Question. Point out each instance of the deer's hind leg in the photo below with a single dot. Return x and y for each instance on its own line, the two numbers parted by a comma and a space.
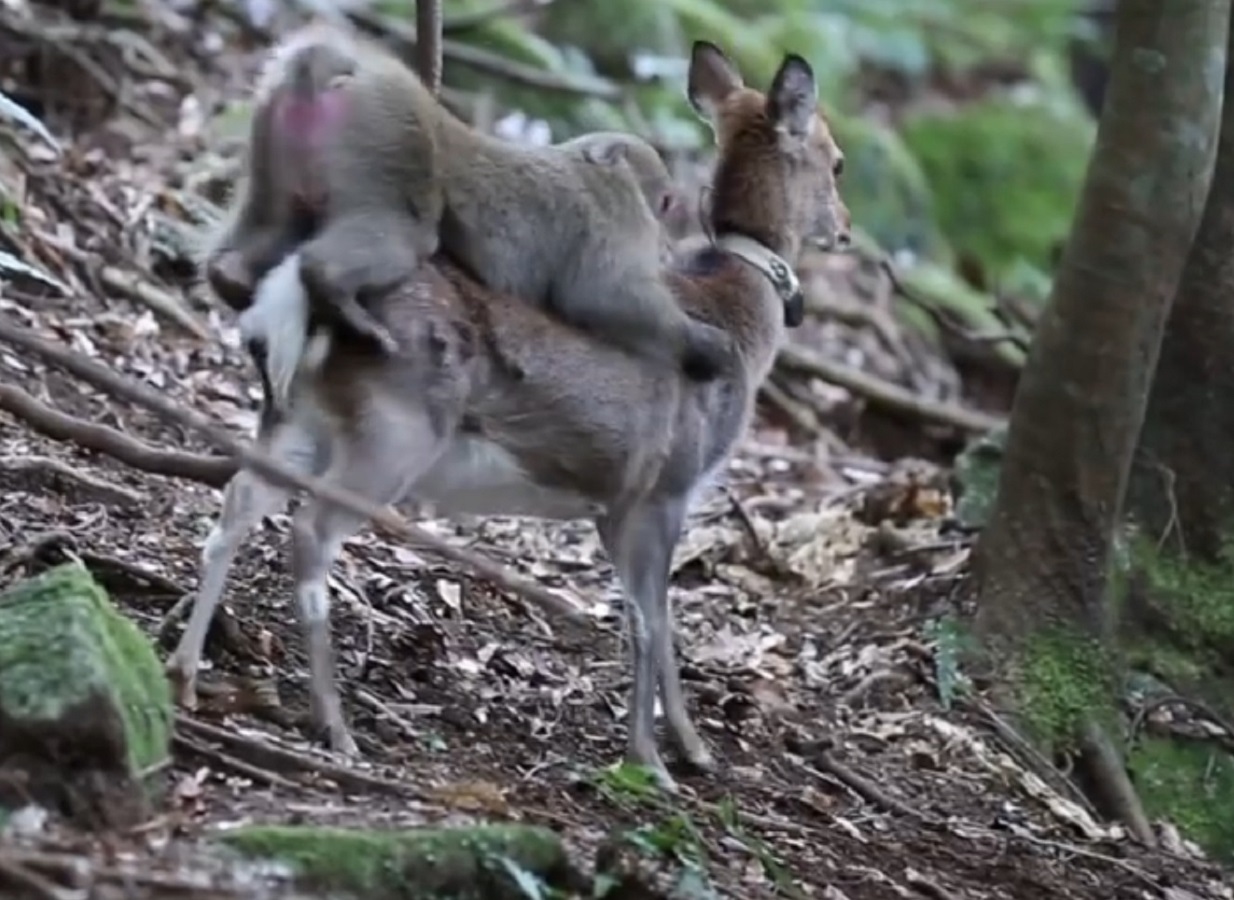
246, 500
379, 457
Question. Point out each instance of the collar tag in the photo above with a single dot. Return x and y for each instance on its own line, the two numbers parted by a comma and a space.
774, 268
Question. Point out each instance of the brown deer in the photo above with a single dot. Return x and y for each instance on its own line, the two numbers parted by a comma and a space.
574, 428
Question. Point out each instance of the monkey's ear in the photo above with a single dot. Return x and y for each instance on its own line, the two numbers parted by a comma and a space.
605, 151
712, 78
792, 102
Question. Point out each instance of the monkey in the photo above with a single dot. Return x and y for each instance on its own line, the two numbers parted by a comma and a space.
360, 224
374, 176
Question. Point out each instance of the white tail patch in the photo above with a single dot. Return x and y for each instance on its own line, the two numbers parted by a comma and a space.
278, 320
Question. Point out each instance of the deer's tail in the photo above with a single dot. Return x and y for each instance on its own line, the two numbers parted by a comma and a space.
276, 330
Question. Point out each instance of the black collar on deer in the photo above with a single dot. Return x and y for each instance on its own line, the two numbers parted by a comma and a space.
772, 266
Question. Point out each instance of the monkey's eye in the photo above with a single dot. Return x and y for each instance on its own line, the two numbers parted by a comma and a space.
666, 203
838, 167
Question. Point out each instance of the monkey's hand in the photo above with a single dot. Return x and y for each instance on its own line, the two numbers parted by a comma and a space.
708, 352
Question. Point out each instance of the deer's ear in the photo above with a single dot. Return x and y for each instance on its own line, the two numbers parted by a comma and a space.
792, 102
712, 78
604, 151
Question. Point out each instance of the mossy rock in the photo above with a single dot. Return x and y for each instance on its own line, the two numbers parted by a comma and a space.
85, 709
468, 863
1190, 784
885, 189
1006, 176
976, 478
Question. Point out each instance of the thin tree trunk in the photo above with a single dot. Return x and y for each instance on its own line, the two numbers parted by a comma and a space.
1182, 485
1042, 561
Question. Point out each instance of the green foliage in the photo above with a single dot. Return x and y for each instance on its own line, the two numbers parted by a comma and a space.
1198, 598
1191, 784
977, 471
1065, 679
1006, 177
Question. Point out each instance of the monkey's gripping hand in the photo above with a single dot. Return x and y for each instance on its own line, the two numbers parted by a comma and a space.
708, 352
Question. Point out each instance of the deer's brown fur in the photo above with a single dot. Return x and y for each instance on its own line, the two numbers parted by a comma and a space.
584, 430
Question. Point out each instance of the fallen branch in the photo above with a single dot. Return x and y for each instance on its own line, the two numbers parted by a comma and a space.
270, 755
859, 784
155, 298
215, 471
52, 470
231, 763
885, 395
386, 520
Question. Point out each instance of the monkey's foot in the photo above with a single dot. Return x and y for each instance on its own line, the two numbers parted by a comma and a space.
709, 353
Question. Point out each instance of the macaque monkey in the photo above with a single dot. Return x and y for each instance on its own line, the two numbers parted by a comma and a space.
351, 156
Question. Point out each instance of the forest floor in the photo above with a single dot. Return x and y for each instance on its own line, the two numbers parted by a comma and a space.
803, 601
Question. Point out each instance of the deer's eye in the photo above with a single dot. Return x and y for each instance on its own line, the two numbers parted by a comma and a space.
838, 167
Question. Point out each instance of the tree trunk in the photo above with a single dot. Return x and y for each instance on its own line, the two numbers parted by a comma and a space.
1182, 485
1042, 562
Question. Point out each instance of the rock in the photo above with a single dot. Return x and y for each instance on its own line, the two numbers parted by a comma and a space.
85, 710
441, 863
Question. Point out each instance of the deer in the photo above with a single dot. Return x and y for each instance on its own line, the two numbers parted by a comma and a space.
496, 407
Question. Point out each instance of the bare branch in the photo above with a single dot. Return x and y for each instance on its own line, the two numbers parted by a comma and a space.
385, 519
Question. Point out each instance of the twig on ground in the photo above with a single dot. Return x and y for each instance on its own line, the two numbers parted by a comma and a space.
802, 416
271, 754
384, 518
886, 395
156, 298
1194, 705
383, 711
859, 784
941, 319
927, 886
21, 877
234, 764
214, 471
55, 469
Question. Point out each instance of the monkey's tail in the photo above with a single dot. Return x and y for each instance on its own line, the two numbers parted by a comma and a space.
275, 327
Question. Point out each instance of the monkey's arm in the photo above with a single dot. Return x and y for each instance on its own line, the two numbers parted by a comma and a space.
641, 315
362, 252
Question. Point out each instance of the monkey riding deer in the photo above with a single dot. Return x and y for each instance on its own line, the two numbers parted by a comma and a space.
352, 157
586, 431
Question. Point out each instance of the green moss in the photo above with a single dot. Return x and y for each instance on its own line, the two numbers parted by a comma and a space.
1006, 176
977, 471
439, 863
1065, 679
1192, 785
64, 648
1197, 598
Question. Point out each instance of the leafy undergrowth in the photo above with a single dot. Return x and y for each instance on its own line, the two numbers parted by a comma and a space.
807, 603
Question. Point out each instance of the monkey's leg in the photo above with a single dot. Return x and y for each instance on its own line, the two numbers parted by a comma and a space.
244, 258
642, 316
365, 251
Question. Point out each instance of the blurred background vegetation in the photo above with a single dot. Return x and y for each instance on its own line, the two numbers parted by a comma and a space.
967, 123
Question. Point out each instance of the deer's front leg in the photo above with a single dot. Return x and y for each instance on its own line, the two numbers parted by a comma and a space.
640, 540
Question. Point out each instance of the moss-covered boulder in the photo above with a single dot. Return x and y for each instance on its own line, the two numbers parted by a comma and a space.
1006, 175
976, 478
468, 863
885, 188
85, 709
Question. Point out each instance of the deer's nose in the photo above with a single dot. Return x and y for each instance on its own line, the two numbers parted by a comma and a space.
844, 240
